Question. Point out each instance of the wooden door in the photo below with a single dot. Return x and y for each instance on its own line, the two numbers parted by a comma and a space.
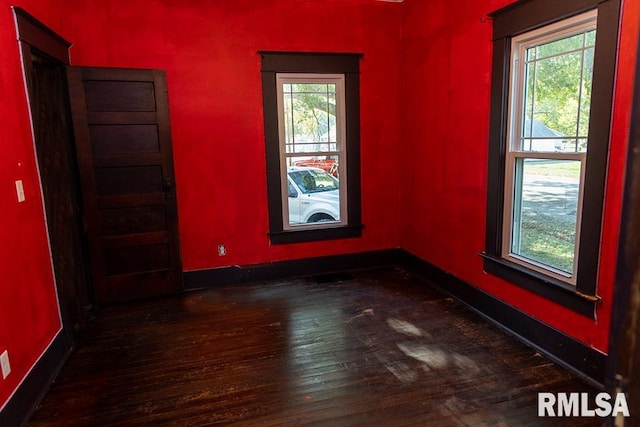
121, 126
60, 187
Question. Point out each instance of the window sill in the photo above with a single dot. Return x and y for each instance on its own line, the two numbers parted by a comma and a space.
540, 284
317, 234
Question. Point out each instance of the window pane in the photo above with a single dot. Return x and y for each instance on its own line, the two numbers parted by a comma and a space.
326, 163
585, 102
529, 95
311, 87
331, 117
314, 190
531, 54
557, 95
545, 209
590, 38
539, 137
288, 121
560, 46
309, 117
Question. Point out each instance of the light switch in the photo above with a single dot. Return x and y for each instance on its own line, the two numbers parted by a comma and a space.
4, 364
20, 191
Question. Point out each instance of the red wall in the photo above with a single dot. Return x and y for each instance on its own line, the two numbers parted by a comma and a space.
447, 67
209, 51
424, 100
29, 317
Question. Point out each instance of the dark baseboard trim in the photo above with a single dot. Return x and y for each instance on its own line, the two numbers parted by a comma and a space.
292, 268
584, 361
28, 395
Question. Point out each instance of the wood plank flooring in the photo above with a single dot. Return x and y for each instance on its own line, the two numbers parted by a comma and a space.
378, 348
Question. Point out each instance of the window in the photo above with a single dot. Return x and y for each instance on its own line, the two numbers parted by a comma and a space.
312, 142
311, 110
550, 101
551, 106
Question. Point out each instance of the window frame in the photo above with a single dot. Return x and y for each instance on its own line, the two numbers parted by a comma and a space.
340, 152
516, 19
515, 154
310, 64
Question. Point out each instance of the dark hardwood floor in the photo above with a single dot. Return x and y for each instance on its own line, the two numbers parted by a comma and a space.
377, 348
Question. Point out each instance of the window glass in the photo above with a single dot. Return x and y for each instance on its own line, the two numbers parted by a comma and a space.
311, 180
551, 98
309, 117
312, 147
557, 94
545, 212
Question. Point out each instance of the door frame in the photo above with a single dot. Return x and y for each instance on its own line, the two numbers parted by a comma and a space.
623, 364
37, 39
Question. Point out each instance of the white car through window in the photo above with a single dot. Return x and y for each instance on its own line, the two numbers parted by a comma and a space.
314, 196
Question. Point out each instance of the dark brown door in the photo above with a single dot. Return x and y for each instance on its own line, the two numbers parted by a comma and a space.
121, 126
60, 187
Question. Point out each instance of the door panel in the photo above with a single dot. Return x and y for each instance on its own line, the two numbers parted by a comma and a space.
121, 125
133, 220
132, 96
124, 180
122, 139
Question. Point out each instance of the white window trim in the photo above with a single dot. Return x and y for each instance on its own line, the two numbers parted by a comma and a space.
341, 138
519, 45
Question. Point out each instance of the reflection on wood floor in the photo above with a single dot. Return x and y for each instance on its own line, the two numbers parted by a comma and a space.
375, 348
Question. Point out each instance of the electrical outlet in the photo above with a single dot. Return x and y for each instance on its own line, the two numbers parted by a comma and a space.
4, 364
222, 250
